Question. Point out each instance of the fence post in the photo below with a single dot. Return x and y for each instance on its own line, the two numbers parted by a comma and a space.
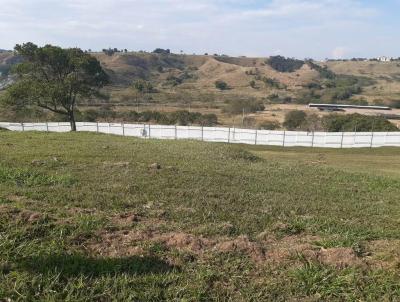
284, 136
255, 139
123, 129
22, 126
149, 131
97, 127
176, 133
234, 133
372, 138
312, 141
229, 134
341, 141
47, 126
202, 133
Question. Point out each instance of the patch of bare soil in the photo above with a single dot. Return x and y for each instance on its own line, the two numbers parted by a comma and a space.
118, 243
16, 214
242, 244
285, 249
340, 257
267, 249
128, 242
126, 219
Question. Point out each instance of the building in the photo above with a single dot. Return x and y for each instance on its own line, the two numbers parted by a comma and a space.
384, 59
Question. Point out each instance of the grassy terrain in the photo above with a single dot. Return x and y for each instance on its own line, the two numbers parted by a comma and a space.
88, 217
375, 162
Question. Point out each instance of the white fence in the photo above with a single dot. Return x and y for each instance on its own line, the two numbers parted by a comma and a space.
228, 135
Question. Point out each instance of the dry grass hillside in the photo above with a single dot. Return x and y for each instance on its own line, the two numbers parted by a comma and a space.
187, 82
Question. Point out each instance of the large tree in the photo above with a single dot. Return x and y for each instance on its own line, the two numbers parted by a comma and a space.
55, 79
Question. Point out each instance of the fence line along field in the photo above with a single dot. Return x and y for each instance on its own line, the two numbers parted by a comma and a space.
94, 217
229, 135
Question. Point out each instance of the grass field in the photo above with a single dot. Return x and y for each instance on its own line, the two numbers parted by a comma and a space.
90, 217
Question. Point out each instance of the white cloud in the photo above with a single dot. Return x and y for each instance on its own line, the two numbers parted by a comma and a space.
300, 28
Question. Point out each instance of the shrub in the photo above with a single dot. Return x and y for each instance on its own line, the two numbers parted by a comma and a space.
249, 106
221, 85
143, 86
269, 125
356, 122
253, 84
294, 119
162, 51
395, 104
272, 83
282, 64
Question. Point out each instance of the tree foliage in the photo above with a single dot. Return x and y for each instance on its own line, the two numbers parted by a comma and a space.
143, 86
294, 119
356, 122
282, 64
221, 85
55, 79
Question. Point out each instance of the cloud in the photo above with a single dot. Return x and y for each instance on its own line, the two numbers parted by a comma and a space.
301, 28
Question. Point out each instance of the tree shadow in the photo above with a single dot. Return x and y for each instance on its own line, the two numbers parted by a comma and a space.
75, 265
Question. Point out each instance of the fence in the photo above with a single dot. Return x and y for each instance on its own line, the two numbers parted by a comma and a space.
228, 135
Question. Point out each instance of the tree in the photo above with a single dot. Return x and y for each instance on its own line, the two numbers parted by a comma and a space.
55, 79
294, 119
283, 64
221, 85
143, 86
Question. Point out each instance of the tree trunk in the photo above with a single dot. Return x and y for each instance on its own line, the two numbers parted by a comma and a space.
72, 120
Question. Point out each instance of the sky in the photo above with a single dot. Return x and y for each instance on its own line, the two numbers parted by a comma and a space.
294, 28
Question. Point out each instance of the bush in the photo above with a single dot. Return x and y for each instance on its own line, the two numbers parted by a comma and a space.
356, 122
249, 106
269, 125
143, 86
162, 51
282, 64
294, 119
395, 104
272, 83
221, 85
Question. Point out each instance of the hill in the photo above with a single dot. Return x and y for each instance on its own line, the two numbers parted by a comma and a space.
97, 217
189, 82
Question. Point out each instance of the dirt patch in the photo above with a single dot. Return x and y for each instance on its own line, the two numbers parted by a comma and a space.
126, 219
155, 166
16, 214
340, 257
242, 244
118, 243
129, 242
287, 248
187, 242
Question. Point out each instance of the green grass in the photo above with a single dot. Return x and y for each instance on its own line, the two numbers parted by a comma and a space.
63, 199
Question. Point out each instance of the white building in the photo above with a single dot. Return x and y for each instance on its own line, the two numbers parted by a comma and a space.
384, 59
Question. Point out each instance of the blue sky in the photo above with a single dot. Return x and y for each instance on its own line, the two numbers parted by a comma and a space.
296, 28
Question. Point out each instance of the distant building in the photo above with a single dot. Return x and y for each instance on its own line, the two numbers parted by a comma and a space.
384, 59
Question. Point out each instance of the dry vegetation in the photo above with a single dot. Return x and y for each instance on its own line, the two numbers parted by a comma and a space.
188, 82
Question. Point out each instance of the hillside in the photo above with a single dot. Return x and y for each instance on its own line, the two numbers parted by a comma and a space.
188, 82
88, 217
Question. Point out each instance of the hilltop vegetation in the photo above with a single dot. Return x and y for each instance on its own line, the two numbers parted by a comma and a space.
88, 217
216, 84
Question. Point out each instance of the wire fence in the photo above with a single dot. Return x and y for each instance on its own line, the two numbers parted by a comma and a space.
227, 135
